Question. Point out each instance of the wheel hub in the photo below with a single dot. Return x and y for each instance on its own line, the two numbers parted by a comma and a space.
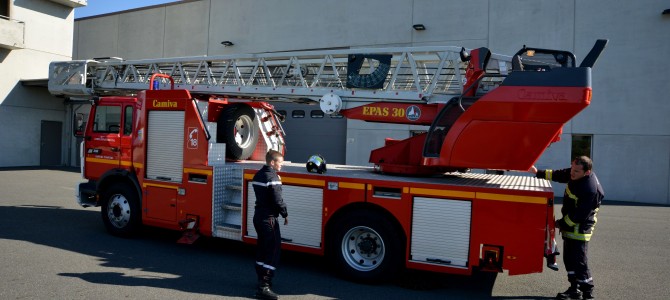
118, 211
363, 248
243, 131
368, 245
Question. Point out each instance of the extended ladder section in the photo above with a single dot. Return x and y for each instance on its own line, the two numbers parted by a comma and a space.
406, 74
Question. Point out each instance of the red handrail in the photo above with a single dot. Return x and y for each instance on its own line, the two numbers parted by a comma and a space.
151, 81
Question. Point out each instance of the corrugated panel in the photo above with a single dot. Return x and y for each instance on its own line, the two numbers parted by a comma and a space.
304, 210
526, 183
165, 145
441, 230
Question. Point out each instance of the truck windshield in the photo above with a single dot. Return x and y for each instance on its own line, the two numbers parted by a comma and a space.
107, 119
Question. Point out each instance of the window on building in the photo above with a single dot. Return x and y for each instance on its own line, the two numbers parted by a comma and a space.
336, 116
416, 132
581, 145
4, 9
107, 119
282, 112
298, 114
316, 114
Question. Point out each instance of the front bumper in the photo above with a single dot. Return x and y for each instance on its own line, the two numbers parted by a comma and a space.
86, 194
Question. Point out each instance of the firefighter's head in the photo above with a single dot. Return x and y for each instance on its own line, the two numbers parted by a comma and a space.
581, 166
274, 159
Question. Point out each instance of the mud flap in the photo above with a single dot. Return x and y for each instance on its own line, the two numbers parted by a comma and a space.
190, 228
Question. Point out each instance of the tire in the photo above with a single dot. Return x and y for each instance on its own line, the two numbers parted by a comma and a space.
237, 128
365, 248
120, 211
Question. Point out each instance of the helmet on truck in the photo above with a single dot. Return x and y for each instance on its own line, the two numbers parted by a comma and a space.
316, 163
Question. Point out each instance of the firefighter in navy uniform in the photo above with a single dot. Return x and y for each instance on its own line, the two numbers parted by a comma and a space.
581, 202
269, 206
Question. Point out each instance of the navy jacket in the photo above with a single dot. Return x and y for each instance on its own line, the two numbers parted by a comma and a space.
581, 202
267, 187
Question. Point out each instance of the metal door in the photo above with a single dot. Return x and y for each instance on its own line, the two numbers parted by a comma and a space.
50, 143
309, 131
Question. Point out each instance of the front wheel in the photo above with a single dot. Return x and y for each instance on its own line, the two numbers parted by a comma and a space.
364, 248
121, 210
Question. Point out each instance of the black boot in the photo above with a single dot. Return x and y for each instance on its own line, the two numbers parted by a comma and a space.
259, 272
571, 293
264, 292
265, 284
587, 290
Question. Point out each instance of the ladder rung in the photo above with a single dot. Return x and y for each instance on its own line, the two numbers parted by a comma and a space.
234, 187
229, 227
232, 206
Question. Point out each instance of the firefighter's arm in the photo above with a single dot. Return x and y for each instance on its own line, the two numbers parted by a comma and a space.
279, 200
562, 176
563, 225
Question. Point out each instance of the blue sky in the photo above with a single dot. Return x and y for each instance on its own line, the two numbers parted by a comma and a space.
98, 7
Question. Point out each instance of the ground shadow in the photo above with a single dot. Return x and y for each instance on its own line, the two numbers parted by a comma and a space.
211, 266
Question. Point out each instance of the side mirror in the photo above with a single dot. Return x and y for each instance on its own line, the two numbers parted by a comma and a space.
79, 125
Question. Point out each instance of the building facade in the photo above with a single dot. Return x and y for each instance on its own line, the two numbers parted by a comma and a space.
32, 34
625, 129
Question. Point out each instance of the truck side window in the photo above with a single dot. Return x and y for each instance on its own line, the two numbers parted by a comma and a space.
128, 121
107, 119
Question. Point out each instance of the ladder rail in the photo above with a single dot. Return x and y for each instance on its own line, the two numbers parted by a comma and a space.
415, 74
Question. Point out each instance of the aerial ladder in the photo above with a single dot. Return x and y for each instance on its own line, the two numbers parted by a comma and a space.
485, 110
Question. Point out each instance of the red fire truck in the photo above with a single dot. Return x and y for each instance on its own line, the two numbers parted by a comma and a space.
174, 143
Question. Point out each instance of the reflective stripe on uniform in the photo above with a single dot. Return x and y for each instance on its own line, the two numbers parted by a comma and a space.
266, 184
576, 235
586, 280
571, 195
548, 174
265, 265
569, 222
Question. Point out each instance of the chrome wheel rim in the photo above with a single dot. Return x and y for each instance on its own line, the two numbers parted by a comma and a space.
363, 248
118, 211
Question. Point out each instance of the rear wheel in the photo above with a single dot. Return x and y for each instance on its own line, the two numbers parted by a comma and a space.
364, 248
237, 128
121, 210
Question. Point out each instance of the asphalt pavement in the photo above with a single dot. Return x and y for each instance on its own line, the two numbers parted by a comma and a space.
53, 249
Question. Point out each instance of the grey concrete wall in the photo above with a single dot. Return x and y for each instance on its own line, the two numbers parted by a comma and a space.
260, 26
48, 26
543, 24
186, 29
635, 167
141, 34
98, 37
627, 117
